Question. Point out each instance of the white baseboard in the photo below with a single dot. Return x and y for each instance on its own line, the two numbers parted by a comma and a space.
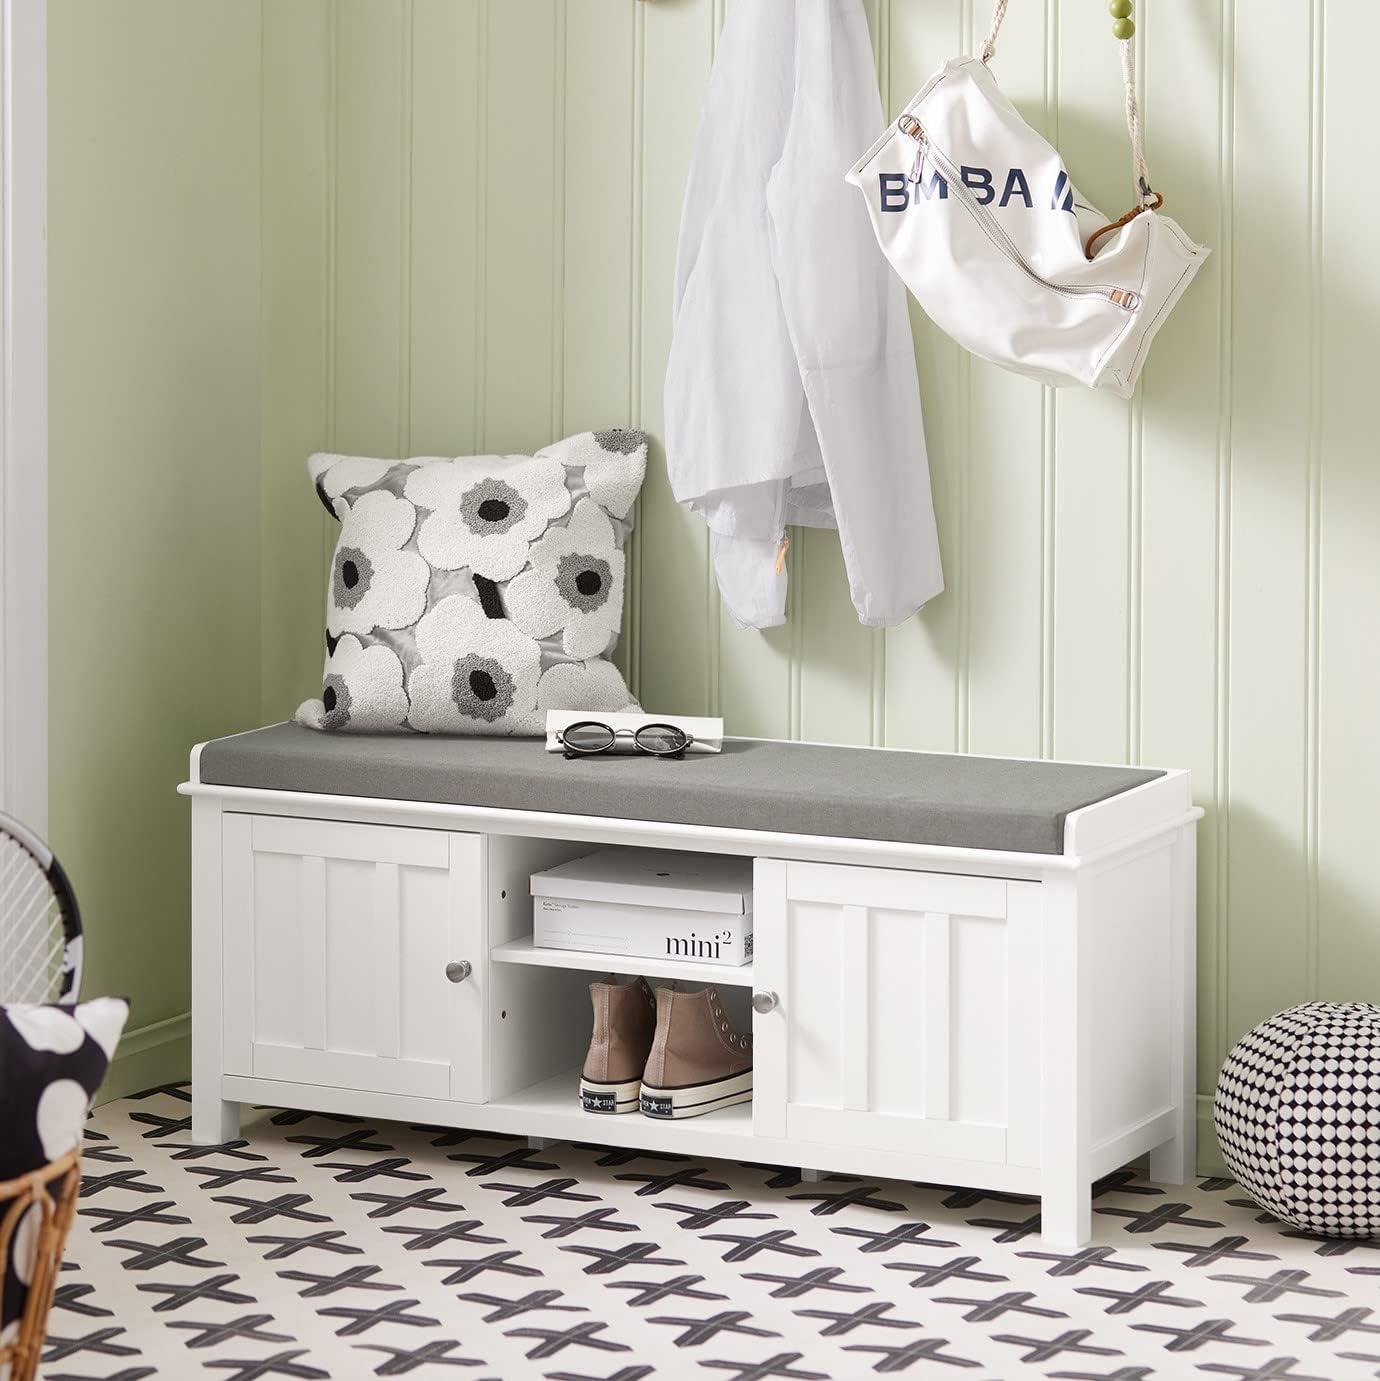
1210, 1160
159, 1053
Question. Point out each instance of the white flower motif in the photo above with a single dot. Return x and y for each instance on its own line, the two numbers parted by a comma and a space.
485, 510
476, 675
615, 464
361, 690
374, 582
593, 685
333, 475
47, 1028
103, 1018
574, 586
61, 1111
25, 1250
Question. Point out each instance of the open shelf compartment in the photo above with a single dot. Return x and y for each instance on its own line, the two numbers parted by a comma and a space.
551, 1107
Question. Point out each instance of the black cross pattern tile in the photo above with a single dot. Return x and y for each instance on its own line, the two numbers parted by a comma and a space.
327, 1248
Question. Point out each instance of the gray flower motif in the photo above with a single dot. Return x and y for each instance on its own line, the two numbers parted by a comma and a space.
361, 689
335, 699
482, 688
620, 441
491, 507
352, 573
584, 581
573, 585
475, 675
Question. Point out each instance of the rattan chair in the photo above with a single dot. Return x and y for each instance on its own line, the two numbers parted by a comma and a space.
52, 1191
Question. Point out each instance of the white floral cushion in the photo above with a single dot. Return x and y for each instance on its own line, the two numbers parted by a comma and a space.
471, 595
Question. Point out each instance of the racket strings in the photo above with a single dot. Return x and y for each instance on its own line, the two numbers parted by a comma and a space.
31, 930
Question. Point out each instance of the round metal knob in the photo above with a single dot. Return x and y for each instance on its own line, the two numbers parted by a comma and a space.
764, 1002
458, 970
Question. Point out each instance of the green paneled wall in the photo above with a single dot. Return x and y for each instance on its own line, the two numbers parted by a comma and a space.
153, 464
469, 215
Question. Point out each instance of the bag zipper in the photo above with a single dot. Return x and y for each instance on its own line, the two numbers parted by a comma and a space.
909, 125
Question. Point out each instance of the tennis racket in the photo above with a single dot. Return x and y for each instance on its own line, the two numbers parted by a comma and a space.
40, 925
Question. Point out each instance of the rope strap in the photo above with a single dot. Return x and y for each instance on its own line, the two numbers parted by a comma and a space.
989, 44
1146, 197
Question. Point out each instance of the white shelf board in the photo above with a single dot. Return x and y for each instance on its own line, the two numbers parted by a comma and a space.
552, 1108
523, 951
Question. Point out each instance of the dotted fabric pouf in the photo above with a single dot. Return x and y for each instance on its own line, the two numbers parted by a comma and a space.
1298, 1117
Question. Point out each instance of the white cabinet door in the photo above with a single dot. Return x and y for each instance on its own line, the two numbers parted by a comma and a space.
905, 1011
337, 939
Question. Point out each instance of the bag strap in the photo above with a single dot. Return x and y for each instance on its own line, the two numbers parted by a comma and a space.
1146, 197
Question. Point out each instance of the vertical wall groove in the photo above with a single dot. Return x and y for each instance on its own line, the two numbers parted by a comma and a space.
1134, 591
407, 29
1312, 694
877, 672
261, 112
1135, 540
1048, 432
1048, 422
1222, 785
632, 618
963, 476
713, 673
558, 238
330, 230
795, 577
481, 231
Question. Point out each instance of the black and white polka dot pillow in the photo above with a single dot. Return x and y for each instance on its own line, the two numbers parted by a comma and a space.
52, 1061
1297, 1115
471, 595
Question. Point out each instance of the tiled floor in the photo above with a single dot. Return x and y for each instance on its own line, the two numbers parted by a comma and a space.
325, 1247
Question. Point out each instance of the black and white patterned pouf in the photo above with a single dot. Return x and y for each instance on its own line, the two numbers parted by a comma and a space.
1298, 1117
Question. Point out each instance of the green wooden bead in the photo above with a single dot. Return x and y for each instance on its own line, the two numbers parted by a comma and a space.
1124, 28
1119, 9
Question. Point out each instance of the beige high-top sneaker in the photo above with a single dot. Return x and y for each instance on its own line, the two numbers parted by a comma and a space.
624, 1023
699, 1062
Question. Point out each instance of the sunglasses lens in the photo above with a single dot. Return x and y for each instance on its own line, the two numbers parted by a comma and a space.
588, 738
661, 738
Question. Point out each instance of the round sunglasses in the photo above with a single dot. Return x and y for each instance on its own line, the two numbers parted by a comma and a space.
590, 737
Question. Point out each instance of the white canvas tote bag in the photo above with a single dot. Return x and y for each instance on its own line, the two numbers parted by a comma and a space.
978, 215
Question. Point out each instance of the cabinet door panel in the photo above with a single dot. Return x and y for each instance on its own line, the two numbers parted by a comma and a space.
337, 938
900, 995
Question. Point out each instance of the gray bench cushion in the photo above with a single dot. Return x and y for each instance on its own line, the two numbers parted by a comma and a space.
794, 788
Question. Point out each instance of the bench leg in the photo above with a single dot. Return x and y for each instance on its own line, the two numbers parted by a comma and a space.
808, 1176
1065, 1073
1066, 1214
540, 1143
214, 1121
1174, 1162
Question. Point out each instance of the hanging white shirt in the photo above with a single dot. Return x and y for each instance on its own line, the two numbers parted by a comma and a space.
791, 388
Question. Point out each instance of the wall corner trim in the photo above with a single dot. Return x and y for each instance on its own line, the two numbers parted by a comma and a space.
24, 411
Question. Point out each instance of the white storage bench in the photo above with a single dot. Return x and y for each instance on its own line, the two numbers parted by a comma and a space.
967, 971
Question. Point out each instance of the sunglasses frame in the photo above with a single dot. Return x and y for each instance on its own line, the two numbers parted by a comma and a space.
616, 734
